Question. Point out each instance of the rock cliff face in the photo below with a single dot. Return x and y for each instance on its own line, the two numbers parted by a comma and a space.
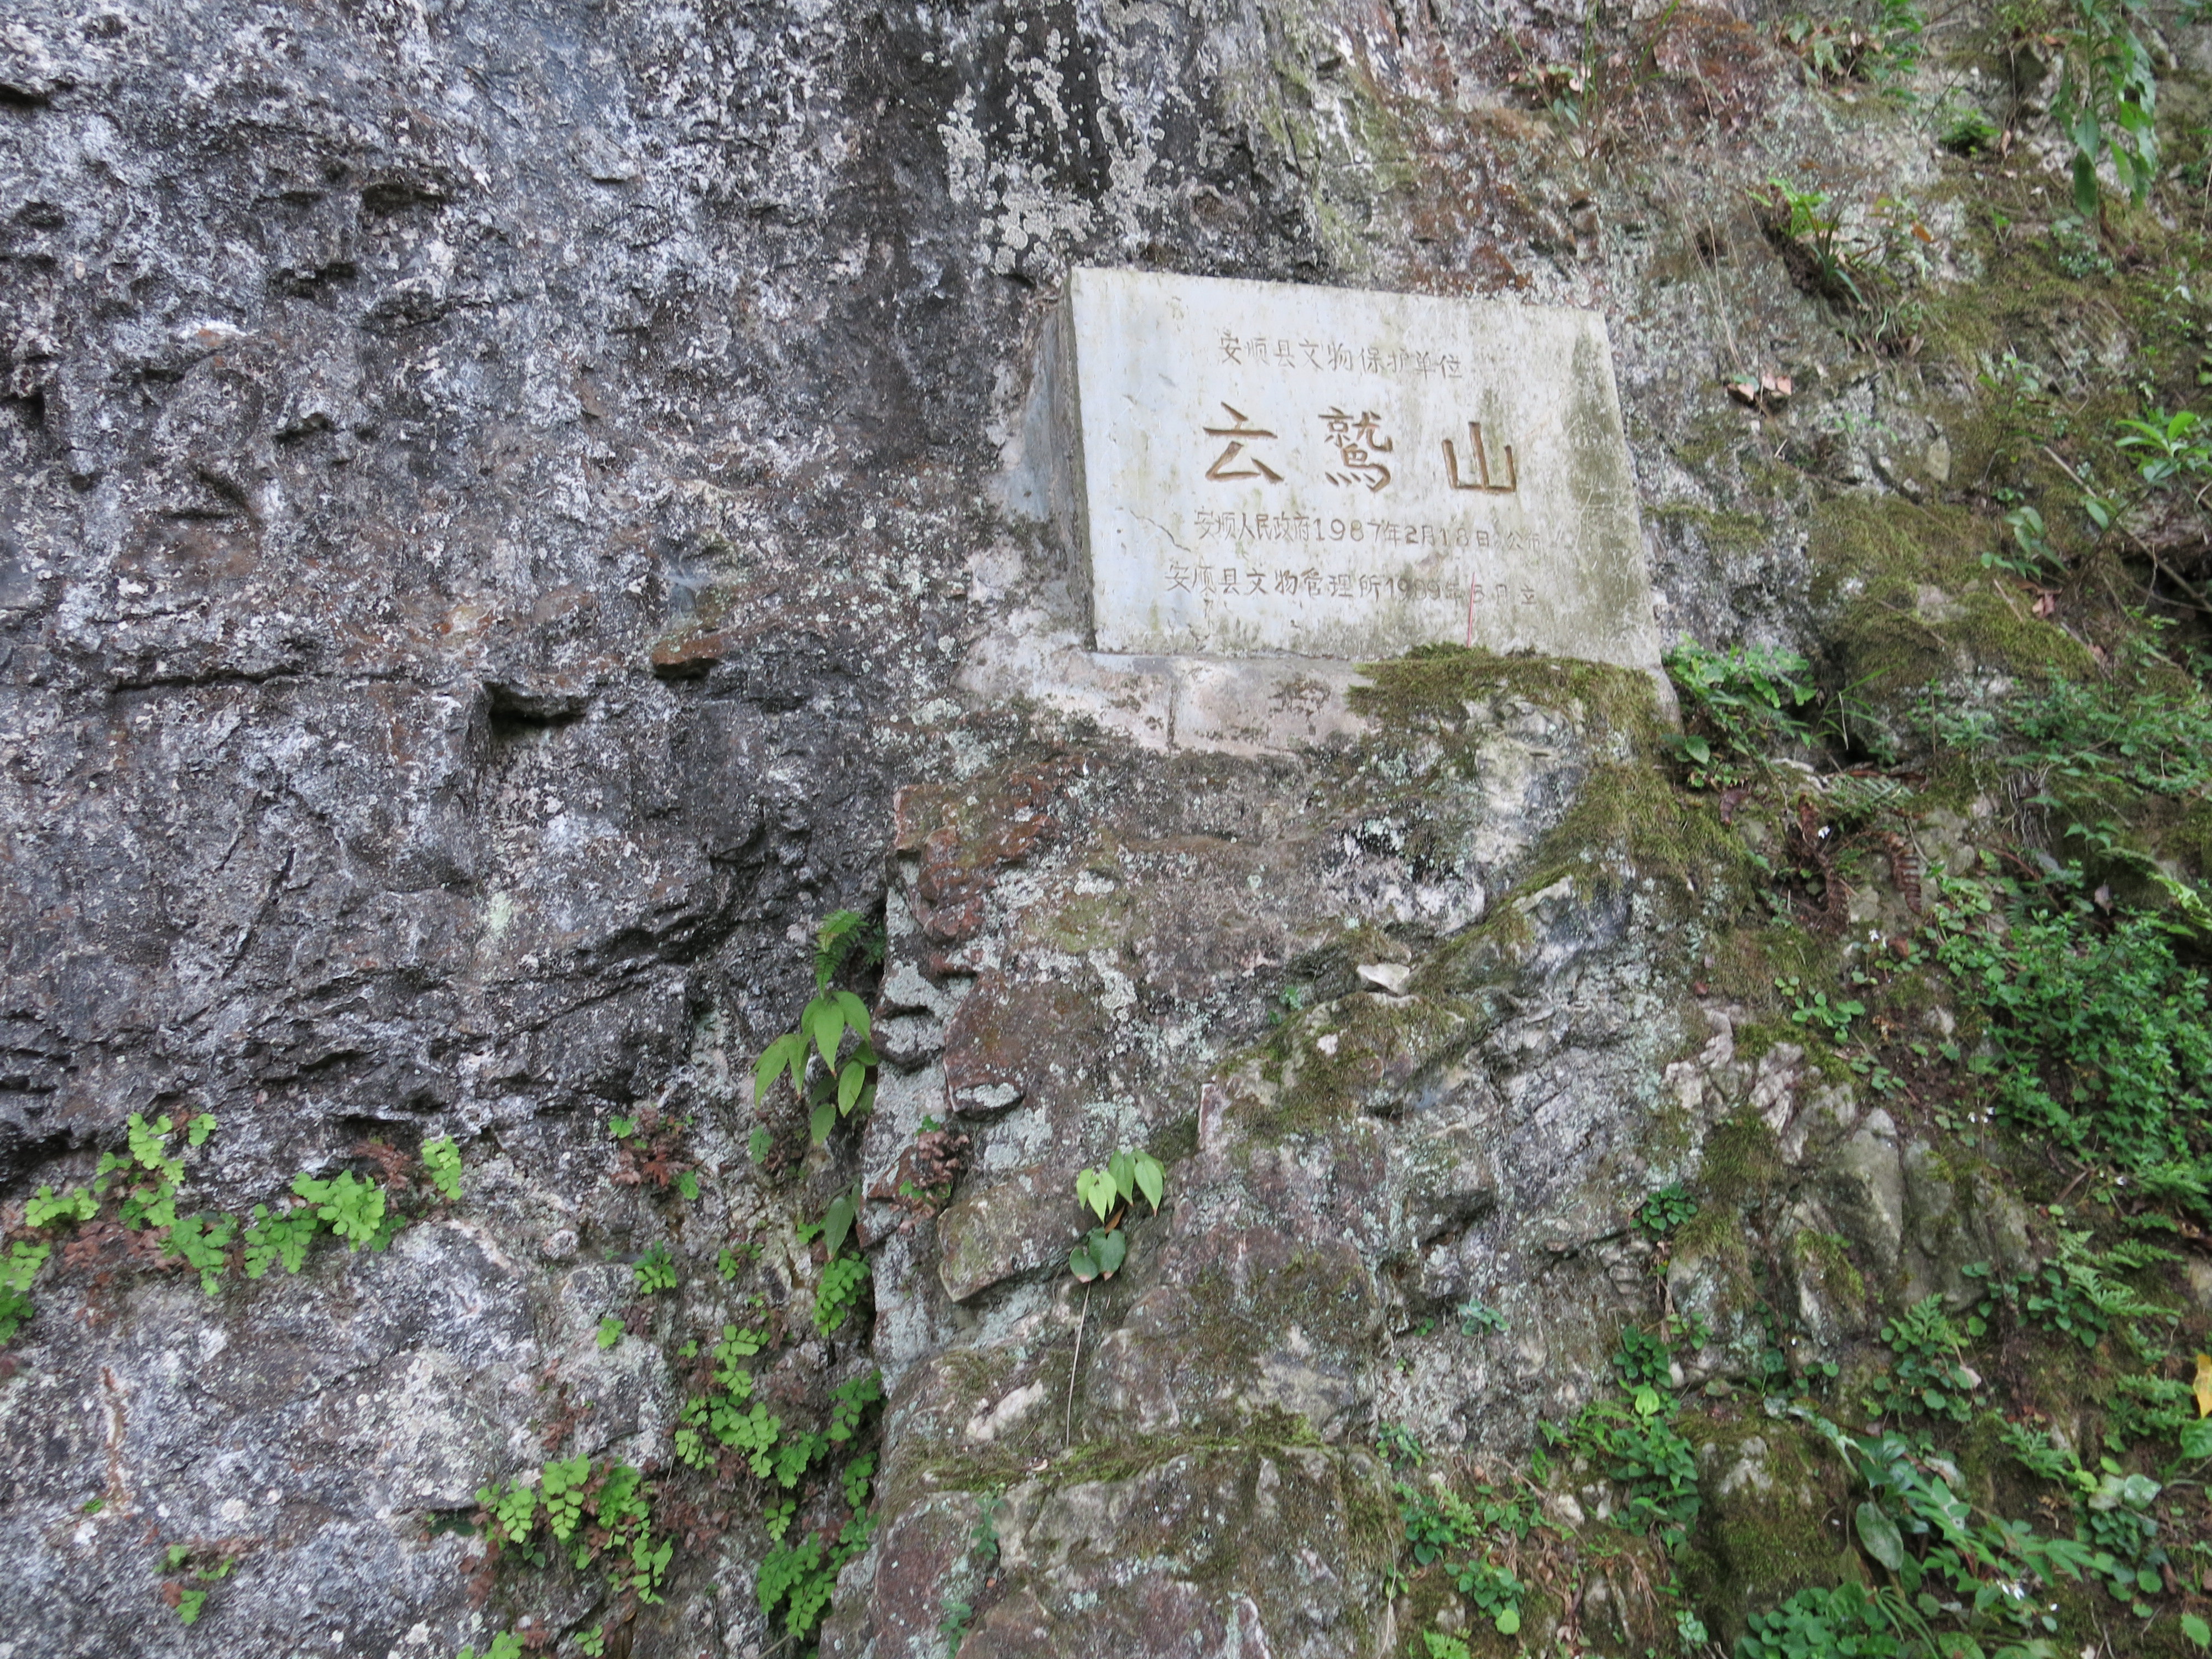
510, 515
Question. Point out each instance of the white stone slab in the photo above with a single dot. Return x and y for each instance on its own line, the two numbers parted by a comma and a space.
1266, 468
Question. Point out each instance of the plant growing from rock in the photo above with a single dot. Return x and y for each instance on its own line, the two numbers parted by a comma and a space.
842, 1085
597, 1515
1929, 1374
1496, 1593
1477, 1317
2099, 1036
1665, 1211
842, 1275
1108, 1192
2107, 103
1640, 1449
1742, 705
184, 1564
654, 1271
442, 1162
1942, 1554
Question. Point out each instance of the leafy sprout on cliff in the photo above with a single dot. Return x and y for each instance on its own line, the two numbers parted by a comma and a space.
842, 1087
1742, 705
1108, 1192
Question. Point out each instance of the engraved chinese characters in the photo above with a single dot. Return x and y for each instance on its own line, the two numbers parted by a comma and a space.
1267, 468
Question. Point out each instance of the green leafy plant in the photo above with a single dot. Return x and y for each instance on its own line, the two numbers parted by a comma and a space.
841, 1276
1475, 1317
1665, 1210
1642, 1361
1496, 1593
595, 1514
1119, 1180
1440, 1646
1108, 1192
1929, 1374
2096, 1036
2076, 1294
2106, 101
183, 1562
442, 1162
1942, 1554
1966, 130
2140, 1409
279, 1237
839, 1291
149, 1175
1834, 1018
2035, 559
1743, 705
610, 1331
505, 1645
1643, 1451
842, 1087
17, 1269
1436, 1520
1100, 1255
1837, 49
352, 1208
798, 1578
655, 1271
1398, 1445
43, 1209
1808, 221
202, 1244
1823, 1623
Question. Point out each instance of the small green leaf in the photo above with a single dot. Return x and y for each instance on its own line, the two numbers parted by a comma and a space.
1108, 1250
824, 1120
850, 1082
1151, 1180
1123, 1170
837, 1225
1094, 1188
825, 1022
786, 1051
1879, 1533
855, 1013
1080, 1264
2197, 1630
1508, 1621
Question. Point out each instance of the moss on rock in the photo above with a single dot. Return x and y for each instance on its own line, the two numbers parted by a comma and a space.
1774, 1502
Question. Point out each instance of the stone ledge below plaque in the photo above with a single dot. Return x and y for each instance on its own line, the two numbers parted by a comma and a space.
1234, 706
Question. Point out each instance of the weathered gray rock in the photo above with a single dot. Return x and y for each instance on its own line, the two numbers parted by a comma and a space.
494, 498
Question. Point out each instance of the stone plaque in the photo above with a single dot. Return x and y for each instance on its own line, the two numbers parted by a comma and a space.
1266, 468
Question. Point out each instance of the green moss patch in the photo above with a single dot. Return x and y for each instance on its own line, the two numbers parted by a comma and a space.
1431, 687
1913, 604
